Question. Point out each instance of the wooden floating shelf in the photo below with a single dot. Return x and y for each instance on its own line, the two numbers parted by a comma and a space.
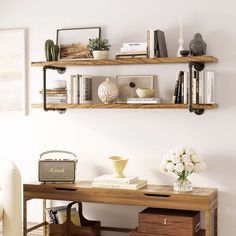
126, 106
160, 60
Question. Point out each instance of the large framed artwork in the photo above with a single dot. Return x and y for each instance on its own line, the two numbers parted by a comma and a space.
12, 71
73, 42
127, 85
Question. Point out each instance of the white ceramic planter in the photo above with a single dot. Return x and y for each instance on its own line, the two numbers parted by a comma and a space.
98, 55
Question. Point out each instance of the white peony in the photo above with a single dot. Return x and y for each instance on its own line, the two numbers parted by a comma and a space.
170, 167
180, 151
179, 167
186, 159
189, 167
163, 165
190, 151
175, 159
195, 158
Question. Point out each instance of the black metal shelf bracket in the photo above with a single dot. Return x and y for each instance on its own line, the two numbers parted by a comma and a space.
198, 67
60, 70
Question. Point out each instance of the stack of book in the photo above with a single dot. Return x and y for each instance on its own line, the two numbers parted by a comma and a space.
133, 50
58, 96
79, 89
109, 181
203, 87
143, 100
156, 44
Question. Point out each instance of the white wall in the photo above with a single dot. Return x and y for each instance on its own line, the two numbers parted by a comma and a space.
143, 136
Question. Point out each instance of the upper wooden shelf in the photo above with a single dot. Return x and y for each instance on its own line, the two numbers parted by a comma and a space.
160, 60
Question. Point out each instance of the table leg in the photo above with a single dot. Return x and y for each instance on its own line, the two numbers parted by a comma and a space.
208, 222
25, 217
44, 217
216, 222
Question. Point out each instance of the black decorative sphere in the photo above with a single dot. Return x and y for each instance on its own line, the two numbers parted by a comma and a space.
197, 45
184, 53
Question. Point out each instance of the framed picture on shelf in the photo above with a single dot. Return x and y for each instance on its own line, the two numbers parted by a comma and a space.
127, 85
12, 71
73, 42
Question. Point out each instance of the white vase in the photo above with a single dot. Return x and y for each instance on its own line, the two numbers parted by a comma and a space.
99, 55
108, 91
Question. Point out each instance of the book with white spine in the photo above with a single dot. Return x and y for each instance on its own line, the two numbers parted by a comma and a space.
210, 87
113, 179
134, 186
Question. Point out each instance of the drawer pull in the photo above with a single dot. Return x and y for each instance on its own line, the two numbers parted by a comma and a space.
66, 189
156, 195
165, 221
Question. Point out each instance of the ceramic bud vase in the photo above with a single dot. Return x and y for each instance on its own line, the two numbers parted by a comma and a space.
118, 165
182, 185
108, 91
99, 55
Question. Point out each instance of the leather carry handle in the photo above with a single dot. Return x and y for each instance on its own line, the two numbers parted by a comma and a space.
68, 215
57, 151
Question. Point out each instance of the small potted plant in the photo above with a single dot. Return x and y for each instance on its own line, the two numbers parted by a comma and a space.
99, 47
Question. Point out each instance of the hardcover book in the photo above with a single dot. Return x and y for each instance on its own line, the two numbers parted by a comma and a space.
112, 179
134, 186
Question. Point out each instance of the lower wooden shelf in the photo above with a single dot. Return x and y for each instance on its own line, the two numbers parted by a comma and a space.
126, 106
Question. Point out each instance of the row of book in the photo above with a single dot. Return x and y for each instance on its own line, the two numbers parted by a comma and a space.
79, 89
203, 87
155, 46
109, 181
58, 215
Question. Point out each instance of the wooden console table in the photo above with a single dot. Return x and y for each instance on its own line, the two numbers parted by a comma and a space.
200, 199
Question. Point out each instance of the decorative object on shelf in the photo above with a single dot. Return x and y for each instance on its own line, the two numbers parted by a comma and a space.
49, 44
182, 163
99, 48
180, 40
145, 92
55, 52
127, 85
108, 91
197, 45
184, 53
118, 165
73, 42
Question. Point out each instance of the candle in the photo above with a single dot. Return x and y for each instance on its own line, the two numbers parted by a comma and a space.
180, 28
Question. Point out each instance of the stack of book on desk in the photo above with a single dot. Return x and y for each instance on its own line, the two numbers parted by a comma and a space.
109, 181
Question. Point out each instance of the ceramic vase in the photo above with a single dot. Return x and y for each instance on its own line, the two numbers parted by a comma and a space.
108, 91
118, 165
99, 55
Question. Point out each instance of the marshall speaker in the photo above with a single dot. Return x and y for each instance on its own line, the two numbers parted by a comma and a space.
57, 166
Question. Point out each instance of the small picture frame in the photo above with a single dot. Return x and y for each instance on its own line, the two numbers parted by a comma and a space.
73, 42
127, 85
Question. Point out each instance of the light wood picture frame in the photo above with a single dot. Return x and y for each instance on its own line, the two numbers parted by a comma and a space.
13, 71
127, 85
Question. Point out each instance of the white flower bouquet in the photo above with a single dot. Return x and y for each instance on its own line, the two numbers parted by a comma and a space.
182, 163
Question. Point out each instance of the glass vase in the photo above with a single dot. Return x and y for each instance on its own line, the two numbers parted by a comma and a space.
182, 185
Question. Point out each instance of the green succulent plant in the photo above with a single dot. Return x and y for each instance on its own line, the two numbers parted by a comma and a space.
98, 44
